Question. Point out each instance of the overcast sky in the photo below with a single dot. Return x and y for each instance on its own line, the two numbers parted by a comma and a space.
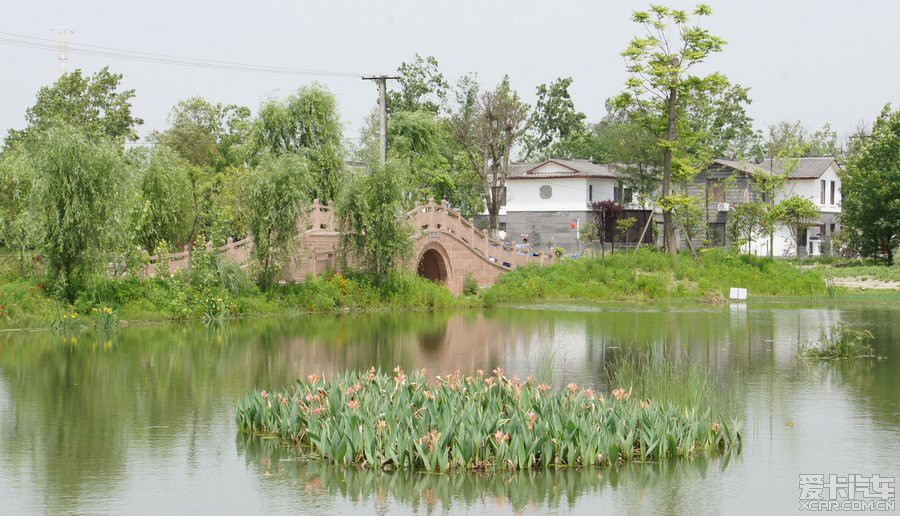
813, 60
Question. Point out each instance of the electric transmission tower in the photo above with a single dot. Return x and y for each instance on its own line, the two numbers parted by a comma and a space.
62, 47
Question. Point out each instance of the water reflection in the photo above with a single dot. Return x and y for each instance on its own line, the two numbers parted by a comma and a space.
528, 491
147, 416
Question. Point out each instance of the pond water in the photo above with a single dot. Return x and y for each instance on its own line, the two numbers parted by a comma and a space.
144, 423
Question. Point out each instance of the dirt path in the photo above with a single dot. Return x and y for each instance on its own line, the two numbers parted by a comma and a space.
866, 284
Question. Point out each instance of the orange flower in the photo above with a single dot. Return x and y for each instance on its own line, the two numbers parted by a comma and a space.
572, 387
645, 404
353, 404
715, 427
313, 378
532, 419
620, 394
543, 387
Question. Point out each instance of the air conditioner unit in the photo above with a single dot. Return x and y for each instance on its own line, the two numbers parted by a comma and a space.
723, 206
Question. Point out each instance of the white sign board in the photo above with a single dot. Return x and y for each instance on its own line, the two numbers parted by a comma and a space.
737, 293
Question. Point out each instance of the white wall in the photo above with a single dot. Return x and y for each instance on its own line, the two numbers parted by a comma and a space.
567, 194
811, 189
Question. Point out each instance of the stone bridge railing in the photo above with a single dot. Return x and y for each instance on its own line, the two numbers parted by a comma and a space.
318, 248
434, 217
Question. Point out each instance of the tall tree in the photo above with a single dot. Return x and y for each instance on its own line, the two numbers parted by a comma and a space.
554, 120
94, 105
487, 127
870, 189
208, 134
745, 222
163, 206
662, 87
76, 183
17, 213
422, 87
277, 198
306, 123
375, 235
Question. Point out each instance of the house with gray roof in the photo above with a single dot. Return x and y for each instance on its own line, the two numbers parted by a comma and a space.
544, 200
725, 184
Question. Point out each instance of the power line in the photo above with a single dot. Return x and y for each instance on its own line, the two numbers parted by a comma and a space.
46, 44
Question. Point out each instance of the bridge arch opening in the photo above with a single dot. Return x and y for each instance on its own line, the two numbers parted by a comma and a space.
433, 266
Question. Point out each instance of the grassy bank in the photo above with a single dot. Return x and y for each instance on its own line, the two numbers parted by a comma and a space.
474, 423
25, 303
649, 275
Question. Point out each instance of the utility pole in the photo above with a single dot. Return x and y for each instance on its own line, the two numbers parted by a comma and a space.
381, 80
62, 47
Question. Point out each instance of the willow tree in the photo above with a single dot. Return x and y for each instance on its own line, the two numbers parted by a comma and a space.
162, 211
17, 223
77, 181
487, 126
276, 200
306, 123
662, 88
375, 235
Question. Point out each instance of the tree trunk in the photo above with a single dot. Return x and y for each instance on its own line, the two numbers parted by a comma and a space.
797, 241
668, 228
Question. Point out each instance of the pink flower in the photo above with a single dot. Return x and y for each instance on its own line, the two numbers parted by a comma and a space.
353, 404
572, 387
264, 394
313, 378
499, 436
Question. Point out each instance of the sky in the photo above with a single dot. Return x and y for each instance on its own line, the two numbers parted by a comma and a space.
816, 61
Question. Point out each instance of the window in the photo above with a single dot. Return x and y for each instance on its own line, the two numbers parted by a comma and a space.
715, 190
590, 193
546, 192
822, 193
832, 229
622, 194
832, 193
764, 197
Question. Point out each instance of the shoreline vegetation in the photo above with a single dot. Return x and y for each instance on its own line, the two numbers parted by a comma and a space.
374, 419
217, 290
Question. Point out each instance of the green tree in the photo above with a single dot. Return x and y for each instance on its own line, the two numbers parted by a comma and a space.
487, 126
746, 221
209, 134
77, 182
17, 224
306, 123
661, 89
163, 206
796, 214
606, 213
793, 139
554, 120
372, 211
277, 196
422, 87
94, 105
687, 214
870, 188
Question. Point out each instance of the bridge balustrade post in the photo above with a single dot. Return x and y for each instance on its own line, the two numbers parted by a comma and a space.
314, 214
432, 212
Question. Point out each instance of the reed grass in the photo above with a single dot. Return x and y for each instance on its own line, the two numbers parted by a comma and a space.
397, 421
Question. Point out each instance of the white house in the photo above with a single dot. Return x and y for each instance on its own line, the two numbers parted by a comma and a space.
815, 179
545, 200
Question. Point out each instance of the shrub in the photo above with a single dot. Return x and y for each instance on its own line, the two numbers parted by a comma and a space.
841, 341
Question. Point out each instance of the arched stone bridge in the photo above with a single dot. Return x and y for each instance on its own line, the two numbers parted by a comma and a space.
447, 248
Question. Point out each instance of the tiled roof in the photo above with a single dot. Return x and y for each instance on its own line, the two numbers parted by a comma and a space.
573, 168
803, 168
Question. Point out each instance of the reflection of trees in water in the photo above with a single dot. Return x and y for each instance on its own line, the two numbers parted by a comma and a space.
71, 414
526, 490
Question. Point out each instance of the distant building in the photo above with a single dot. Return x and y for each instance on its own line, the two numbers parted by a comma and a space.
726, 183
545, 199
